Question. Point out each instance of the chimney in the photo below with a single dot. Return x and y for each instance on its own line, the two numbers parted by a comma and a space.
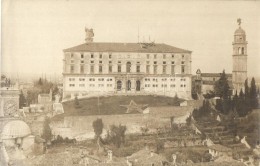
110, 155
152, 153
174, 157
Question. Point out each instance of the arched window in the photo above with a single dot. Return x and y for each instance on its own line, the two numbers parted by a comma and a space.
242, 50
239, 50
128, 67
138, 85
119, 85
128, 85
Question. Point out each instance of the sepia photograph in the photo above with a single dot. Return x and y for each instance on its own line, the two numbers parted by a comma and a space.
130, 83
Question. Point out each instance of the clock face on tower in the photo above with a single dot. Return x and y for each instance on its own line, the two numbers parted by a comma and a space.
10, 107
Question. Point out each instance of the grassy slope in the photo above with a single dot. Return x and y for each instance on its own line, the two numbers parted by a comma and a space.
111, 105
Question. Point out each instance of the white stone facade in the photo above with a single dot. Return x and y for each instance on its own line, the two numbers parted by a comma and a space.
100, 68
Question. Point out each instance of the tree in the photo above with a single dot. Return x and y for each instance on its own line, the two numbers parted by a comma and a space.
40, 81
253, 94
241, 104
76, 102
47, 135
221, 87
117, 134
22, 100
55, 92
98, 127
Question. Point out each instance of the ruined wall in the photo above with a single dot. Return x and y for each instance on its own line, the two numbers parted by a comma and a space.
80, 127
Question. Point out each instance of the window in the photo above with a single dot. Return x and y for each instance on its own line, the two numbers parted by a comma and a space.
100, 56
172, 62
110, 62
155, 62
71, 69
182, 56
100, 69
155, 56
92, 69
164, 62
147, 62
147, 56
81, 61
172, 55
81, 68
182, 62
128, 67
164, 69
172, 69
81, 79
119, 68
154, 69
71, 61
182, 69
71, 55
110, 56
92, 55
147, 69
164, 56
138, 68
81, 85
72, 85
91, 61
119, 61
110, 68
100, 61
82, 55
71, 79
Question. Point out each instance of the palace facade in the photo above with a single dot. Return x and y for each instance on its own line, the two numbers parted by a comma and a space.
96, 68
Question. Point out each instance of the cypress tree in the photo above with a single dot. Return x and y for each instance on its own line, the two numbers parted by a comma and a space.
253, 94
221, 87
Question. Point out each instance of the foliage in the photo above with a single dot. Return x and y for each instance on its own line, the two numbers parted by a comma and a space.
47, 135
76, 102
22, 100
209, 95
207, 157
32, 95
203, 112
117, 134
221, 87
144, 130
98, 127
253, 94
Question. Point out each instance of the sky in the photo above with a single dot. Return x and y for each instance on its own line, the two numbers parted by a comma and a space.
34, 33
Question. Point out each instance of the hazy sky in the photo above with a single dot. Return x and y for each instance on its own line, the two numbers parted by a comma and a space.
34, 33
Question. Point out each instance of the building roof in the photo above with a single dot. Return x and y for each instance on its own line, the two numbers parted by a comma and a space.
214, 74
240, 31
145, 157
44, 95
15, 129
126, 47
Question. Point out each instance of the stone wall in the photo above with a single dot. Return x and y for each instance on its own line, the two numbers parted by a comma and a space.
80, 127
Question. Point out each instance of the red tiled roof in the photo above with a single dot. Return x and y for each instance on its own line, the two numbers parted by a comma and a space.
126, 47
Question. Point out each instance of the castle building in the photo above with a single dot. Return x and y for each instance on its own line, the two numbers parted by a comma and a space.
95, 68
239, 73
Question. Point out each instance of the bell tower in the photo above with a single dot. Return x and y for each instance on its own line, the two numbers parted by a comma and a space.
239, 73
